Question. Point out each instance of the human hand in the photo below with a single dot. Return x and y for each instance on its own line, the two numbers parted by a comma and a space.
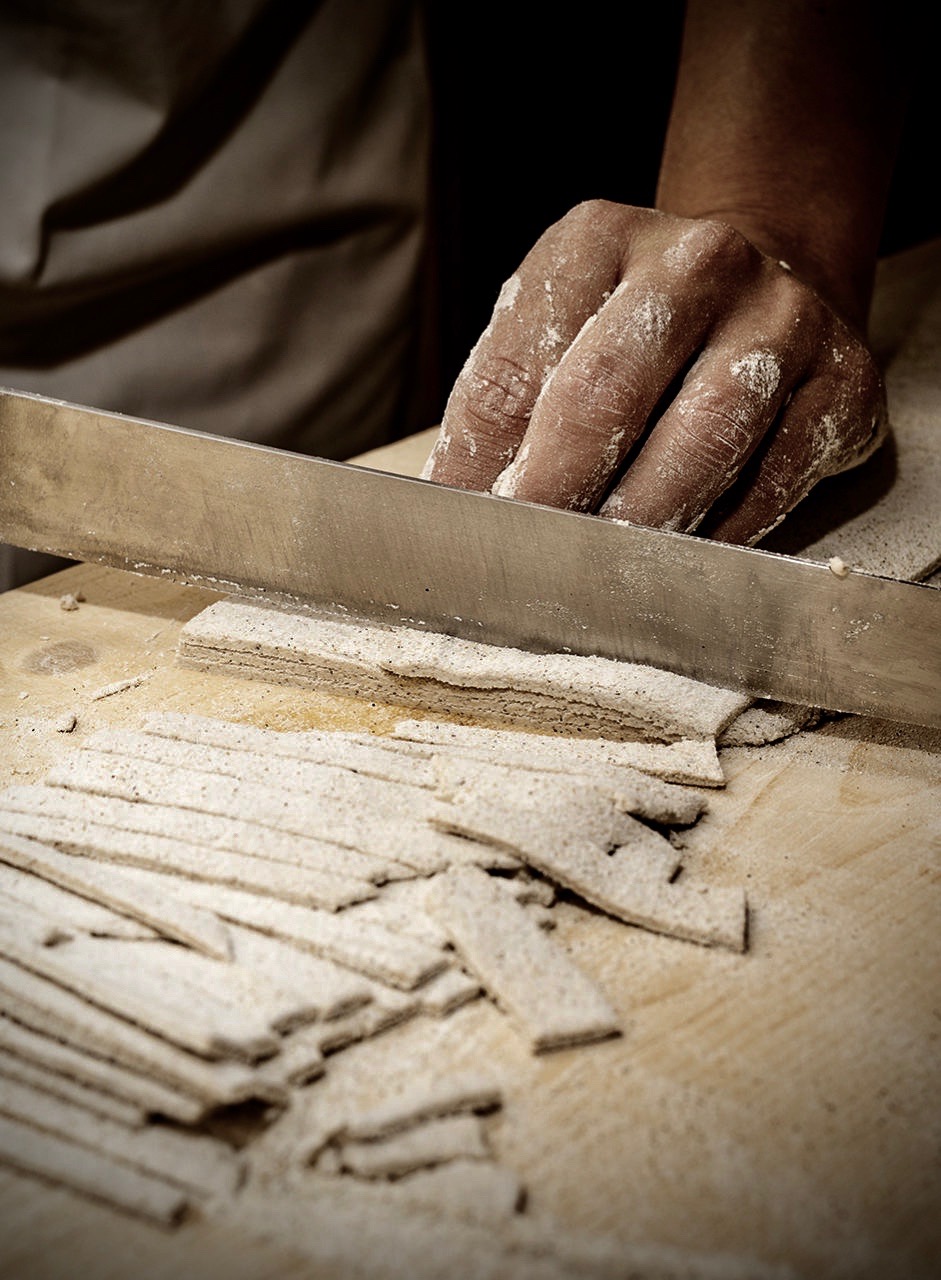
659, 370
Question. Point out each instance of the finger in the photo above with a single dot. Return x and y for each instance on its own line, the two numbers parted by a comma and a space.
562, 282
601, 394
826, 428
727, 403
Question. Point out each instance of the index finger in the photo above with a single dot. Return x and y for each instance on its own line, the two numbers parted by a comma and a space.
561, 283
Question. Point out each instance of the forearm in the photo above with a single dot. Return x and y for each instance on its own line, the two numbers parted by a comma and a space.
785, 125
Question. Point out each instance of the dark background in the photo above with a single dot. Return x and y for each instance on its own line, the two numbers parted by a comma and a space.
539, 107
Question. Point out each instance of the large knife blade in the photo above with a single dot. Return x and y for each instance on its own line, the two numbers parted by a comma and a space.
258, 521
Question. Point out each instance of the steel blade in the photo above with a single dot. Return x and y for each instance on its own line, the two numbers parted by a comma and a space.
258, 521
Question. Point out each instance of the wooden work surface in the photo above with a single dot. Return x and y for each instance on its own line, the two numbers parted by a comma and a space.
783, 1106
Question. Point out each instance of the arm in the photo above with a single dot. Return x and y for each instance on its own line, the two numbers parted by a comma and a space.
666, 366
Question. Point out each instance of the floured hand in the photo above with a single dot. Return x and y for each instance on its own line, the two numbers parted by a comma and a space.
660, 370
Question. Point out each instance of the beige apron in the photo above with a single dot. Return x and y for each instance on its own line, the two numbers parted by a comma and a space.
213, 214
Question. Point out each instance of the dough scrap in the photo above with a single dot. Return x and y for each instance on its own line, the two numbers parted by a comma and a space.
445, 1097
442, 673
527, 812
435, 1142
546, 995
692, 762
767, 722
629, 883
626, 790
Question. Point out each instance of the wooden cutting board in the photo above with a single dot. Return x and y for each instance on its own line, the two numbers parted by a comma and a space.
784, 1105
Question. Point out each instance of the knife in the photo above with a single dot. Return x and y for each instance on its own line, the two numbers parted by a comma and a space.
258, 521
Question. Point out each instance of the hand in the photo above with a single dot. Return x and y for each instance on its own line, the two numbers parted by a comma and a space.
660, 370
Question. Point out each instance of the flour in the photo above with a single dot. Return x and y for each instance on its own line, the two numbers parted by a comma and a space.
759, 371
649, 320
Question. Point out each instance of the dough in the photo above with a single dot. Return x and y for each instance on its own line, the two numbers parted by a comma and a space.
379, 953
238, 836
196, 1162
44, 1007
632, 884
408, 843
368, 756
74, 1166
691, 761
595, 696
91, 842
433, 1143
552, 1002
166, 913
446, 1097
143, 996
60, 1086
106, 1077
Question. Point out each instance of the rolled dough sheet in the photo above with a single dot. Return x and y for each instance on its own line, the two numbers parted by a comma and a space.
595, 696
529, 976
71, 1165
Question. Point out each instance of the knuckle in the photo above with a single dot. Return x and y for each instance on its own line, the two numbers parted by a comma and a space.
727, 432
594, 382
589, 214
497, 391
727, 250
